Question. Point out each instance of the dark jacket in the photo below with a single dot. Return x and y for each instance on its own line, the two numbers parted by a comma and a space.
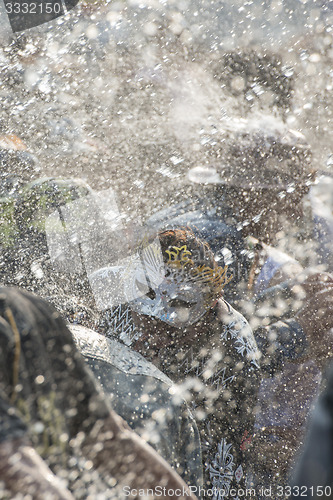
218, 368
146, 399
313, 473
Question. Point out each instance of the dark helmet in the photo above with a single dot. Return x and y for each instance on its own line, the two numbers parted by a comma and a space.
258, 153
40, 198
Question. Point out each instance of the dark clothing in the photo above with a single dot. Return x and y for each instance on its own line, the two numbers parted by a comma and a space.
219, 366
285, 396
48, 371
313, 473
11, 426
47, 393
284, 341
142, 395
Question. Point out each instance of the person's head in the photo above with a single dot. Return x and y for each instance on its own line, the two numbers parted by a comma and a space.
39, 198
17, 164
192, 281
263, 172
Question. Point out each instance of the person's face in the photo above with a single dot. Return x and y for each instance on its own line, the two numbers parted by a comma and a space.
177, 301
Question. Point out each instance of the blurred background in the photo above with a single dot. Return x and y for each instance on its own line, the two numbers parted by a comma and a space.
131, 95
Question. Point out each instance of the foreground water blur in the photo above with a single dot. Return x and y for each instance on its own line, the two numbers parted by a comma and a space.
132, 95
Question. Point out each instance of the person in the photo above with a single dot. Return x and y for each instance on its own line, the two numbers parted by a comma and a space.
240, 204
296, 353
321, 205
190, 333
59, 437
312, 472
17, 164
34, 204
25, 251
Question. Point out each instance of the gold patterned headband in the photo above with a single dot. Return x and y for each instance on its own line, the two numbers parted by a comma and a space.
179, 258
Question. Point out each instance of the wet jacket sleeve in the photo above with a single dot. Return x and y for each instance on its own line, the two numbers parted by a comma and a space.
314, 469
190, 450
154, 413
280, 342
232, 461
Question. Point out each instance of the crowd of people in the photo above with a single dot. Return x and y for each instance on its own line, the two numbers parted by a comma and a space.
180, 359
237, 415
